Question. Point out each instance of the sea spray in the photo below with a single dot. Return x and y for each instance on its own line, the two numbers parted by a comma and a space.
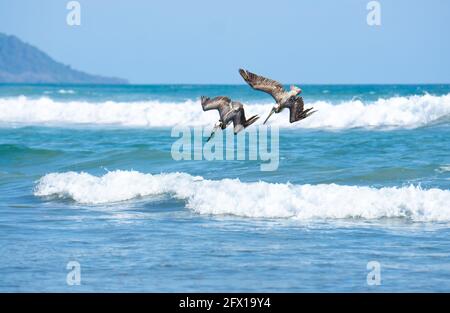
390, 113
252, 199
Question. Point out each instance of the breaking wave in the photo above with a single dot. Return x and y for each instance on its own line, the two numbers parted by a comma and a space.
255, 199
397, 112
444, 168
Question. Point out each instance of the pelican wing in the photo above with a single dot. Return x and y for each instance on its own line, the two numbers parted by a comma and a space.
239, 120
215, 103
272, 87
296, 107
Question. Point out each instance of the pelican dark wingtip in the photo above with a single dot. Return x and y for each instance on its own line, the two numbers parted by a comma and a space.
251, 120
203, 101
243, 73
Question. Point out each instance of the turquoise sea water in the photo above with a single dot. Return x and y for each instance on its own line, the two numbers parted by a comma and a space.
87, 175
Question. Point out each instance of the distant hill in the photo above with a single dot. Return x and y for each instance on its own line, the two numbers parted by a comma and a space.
23, 63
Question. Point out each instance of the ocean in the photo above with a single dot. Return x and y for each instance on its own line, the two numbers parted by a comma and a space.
92, 198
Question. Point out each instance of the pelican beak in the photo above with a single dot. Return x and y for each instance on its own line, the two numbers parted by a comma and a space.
210, 136
270, 114
213, 133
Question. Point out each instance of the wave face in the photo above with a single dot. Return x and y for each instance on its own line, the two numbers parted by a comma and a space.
257, 199
397, 112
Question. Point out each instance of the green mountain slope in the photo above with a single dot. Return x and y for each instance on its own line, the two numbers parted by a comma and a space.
23, 63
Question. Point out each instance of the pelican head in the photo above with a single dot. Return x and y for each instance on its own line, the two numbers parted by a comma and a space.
296, 90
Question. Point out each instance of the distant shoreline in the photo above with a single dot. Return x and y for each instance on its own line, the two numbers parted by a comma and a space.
22, 63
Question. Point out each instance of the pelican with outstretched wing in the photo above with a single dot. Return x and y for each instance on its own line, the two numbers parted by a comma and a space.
283, 98
229, 112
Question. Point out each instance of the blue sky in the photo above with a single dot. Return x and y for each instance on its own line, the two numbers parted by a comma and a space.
204, 41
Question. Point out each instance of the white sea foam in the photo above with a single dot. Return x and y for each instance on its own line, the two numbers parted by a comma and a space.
397, 112
444, 168
66, 91
257, 199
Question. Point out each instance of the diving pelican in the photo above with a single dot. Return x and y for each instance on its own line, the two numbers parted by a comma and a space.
229, 111
283, 98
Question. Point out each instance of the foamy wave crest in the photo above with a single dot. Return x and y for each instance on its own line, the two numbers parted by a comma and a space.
66, 91
257, 199
398, 112
444, 168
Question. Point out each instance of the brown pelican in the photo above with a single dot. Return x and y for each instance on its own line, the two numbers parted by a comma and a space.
229, 111
283, 98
